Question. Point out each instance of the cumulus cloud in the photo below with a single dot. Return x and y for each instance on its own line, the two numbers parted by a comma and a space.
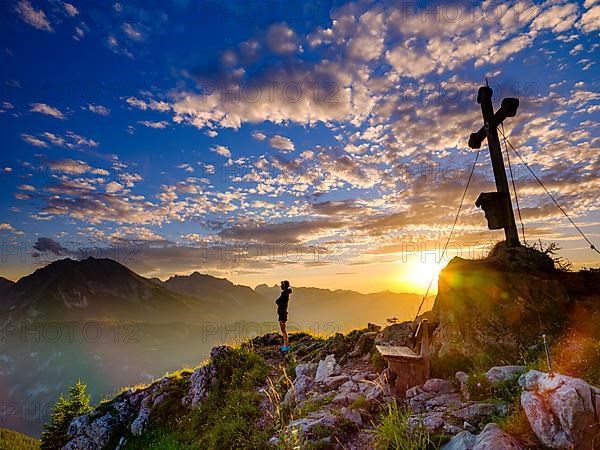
98, 109
48, 110
281, 39
221, 150
156, 125
34, 17
282, 143
71, 10
45, 245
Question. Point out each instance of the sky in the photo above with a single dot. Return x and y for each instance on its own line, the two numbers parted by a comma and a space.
324, 142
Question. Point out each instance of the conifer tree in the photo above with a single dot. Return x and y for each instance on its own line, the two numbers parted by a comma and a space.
55, 434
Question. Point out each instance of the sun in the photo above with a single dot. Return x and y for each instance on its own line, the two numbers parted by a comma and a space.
418, 273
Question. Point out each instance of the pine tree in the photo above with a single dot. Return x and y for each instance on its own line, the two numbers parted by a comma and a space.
55, 434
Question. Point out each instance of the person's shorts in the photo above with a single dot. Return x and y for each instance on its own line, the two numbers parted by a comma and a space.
282, 315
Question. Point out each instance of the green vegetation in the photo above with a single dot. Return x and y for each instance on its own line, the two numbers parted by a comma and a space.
392, 431
11, 440
65, 410
225, 420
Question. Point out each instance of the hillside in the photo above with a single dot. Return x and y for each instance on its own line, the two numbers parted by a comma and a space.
97, 320
490, 386
11, 440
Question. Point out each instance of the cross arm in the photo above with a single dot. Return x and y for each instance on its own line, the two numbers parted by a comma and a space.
507, 109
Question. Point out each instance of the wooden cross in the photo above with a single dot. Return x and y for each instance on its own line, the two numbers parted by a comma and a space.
496, 205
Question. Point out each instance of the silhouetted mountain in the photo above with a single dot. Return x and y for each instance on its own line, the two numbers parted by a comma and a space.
217, 290
5, 284
96, 289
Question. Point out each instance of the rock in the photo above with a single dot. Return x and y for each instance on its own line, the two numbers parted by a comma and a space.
397, 334
200, 382
308, 369
352, 415
561, 410
373, 327
500, 374
315, 421
139, 424
484, 306
365, 343
326, 368
90, 435
480, 413
452, 401
491, 438
299, 390
438, 386
413, 392
331, 383
346, 398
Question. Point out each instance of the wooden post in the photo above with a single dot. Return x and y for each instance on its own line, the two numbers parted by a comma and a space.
484, 98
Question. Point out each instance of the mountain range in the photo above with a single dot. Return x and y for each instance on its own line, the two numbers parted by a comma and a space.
103, 289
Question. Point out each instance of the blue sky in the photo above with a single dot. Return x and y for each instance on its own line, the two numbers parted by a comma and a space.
263, 140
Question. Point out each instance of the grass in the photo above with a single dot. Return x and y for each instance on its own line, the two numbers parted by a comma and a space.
392, 431
12, 440
225, 420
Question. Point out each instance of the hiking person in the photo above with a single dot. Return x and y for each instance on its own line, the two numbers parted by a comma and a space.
282, 313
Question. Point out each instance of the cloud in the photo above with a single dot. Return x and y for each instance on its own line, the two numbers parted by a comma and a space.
74, 167
282, 143
71, 10
221, 150
113, 187
32, 140
45, 245
285, 232
34, 17
281, 39
156, 125
98, 109
69, 140
259, 135
132, 33
43, 108
590, 20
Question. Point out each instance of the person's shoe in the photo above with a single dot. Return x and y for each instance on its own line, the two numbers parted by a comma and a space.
284, 348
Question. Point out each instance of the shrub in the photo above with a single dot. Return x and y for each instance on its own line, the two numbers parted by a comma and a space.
65, 410
447, 365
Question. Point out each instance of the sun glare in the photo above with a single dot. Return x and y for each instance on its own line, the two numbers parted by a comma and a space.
417, 274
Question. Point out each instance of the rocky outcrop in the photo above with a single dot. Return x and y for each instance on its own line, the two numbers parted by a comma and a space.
491, 438
489, 306
563, 412
129, 413
440, 407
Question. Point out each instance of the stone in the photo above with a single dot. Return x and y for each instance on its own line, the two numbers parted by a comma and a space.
500, 374
560, 409
139, 424
307, 369
364, 344
334, 382
444, 401
200, 382
400, 334
314, 420
352, 415
299, 390
463, 378
438, 386
373, 327
326, 368
491, 438
480, 413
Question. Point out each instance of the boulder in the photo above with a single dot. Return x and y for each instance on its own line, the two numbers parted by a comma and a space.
438, 386
365, 343
501, 374
562, 411
311, 424
299, 390
334, 382
397, 334
326, 368
307, 369
351, 415
491, 438
488, 306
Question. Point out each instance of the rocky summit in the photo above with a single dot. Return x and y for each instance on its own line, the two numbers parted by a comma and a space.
498, 379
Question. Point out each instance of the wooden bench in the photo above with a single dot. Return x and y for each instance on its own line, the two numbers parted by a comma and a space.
408, 367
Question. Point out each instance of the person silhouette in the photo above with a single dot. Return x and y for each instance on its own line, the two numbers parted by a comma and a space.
282, 313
